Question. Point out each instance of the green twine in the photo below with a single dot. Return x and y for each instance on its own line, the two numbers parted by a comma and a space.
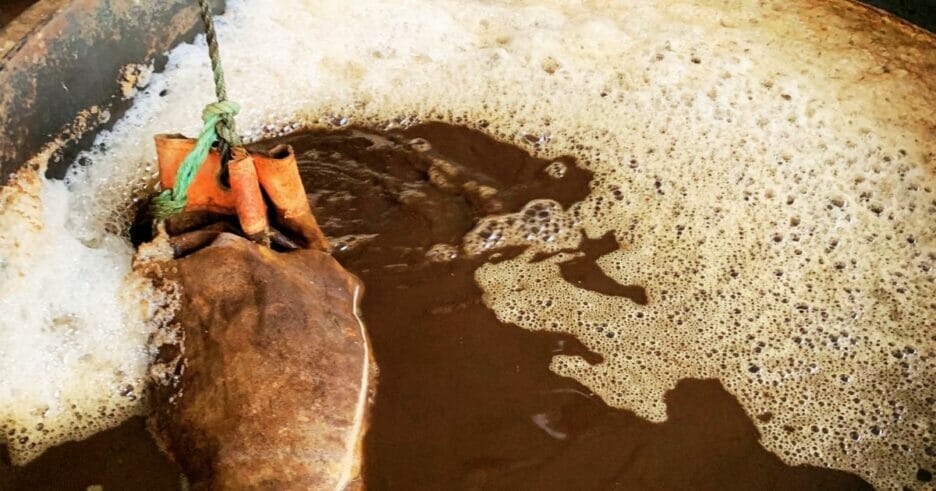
216, 116
219, 126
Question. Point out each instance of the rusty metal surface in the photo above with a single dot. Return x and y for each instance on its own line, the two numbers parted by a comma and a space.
68, 58
919, 12
11, 9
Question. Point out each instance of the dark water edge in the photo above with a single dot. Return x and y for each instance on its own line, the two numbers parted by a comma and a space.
465, 401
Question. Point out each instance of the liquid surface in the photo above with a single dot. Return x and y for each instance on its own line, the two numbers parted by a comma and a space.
766, 167
583, 272
465, 401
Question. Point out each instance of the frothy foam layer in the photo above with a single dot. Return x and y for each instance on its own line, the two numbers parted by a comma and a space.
74, 326
768, 167
541, 222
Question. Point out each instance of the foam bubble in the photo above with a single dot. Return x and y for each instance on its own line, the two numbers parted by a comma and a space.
542, 222
442, 253
768, 167
74, 328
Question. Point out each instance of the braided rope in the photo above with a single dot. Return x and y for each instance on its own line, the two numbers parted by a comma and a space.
172, 201
219, 126
229, 132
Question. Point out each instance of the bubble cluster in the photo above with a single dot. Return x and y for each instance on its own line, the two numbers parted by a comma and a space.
542, 222
74, 329
767, 167
442, 253
556, 170
350, 242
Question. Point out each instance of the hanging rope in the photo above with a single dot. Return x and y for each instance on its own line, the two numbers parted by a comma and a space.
226, 129
172, 201
219, 126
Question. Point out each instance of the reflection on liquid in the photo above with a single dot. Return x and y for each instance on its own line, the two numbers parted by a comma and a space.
465, 401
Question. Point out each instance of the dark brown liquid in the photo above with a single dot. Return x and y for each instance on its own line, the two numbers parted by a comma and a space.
465, 401
584, 272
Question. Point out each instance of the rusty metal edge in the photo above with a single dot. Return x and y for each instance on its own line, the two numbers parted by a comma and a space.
920, 14
68, 64
17, 31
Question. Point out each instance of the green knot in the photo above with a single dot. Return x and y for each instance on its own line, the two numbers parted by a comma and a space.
164, 206
224, 111
219, 124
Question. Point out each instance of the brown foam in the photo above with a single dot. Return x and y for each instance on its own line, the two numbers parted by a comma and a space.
745, 154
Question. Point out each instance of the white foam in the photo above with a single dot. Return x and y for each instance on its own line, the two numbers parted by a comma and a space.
712, 128
541, 222
73, 331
